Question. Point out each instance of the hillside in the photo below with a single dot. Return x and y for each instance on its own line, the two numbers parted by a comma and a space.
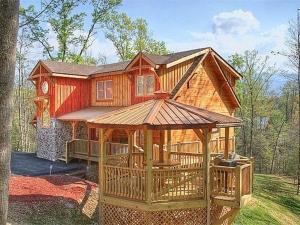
274, 202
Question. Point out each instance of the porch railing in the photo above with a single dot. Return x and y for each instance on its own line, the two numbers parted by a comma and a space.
232, 182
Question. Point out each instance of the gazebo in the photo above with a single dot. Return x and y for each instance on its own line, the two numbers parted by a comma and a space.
153, 184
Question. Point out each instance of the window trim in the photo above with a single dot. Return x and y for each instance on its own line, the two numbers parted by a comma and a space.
104, 90
144, 76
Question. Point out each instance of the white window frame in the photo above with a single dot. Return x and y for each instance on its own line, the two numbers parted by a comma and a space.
104, 89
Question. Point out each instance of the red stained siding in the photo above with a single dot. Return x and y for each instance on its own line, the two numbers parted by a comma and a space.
70, 95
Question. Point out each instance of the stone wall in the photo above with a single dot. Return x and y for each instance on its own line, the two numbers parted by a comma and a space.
51, 141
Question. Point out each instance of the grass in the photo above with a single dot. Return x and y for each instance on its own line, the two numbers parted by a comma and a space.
274, 202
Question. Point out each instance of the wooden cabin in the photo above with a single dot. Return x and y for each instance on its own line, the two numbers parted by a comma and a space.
156, 125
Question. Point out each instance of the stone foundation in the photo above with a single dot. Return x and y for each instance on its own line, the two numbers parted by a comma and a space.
51, 142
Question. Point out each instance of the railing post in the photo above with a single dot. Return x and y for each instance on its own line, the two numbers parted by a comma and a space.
169, 144
101, 170
149, 162
251, 174
217, 145
238, 183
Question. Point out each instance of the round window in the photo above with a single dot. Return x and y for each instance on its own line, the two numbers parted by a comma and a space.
45, 87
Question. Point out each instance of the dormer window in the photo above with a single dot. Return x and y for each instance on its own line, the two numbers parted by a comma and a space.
104, 90
145, 85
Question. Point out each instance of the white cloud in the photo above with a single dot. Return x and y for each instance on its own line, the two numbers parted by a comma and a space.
235, 22
228, 37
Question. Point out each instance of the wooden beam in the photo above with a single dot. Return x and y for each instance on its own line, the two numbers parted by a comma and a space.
73, 123
130, 147
89, 146
169, 141
149, 163
101, 170
161, 145
207, 135
226, 154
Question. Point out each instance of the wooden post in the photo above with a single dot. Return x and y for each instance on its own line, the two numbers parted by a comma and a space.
238, 183
73, 123
89, 146
149, 163
226, 142
217, 145
101, 170
130, 147
207, 136
169, 140
161, 145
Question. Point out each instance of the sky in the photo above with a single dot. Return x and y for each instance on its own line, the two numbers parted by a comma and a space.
228, 26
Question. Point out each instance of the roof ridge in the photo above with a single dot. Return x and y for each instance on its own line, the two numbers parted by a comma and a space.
152, 113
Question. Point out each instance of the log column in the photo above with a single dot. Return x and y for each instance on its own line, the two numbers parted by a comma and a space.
89, 145
226, 143
149, 162
73, 124
130, 147
101, 171
169, 140
161, 145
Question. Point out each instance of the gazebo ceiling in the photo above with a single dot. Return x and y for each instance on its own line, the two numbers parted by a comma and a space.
159, 114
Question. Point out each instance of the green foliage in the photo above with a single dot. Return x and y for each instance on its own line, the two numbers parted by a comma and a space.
64, 19
131, 36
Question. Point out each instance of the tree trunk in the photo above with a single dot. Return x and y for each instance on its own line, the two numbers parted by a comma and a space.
9, 16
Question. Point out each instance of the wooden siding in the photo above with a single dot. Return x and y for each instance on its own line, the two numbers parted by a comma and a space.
70, 95
204, 90
120, 87
169, 77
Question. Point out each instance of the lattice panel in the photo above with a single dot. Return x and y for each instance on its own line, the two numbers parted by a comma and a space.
114, 215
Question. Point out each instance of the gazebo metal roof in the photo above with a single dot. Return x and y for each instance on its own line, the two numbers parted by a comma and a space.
161, 113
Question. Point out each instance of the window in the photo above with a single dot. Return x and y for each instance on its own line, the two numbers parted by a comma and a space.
149, 85
144, 85
140, 85
104, 90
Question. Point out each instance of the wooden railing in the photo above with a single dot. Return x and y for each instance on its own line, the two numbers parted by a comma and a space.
216, 146
233, 182
177, 184
79, 147
125, 182
223, 180
187, 159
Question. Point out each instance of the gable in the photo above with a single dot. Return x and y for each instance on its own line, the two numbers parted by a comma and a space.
205, 90
227, 81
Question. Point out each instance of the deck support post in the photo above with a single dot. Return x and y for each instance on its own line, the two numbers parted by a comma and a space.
73, 123
149, 163
169, 140
226, 143
130, 147
161, 145
89, 146
101, 170
207, 135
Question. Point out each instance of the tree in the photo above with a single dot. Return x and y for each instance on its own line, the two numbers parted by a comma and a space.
9, 17
68, 25
24, 110
293, 55
257, 72
131, 36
